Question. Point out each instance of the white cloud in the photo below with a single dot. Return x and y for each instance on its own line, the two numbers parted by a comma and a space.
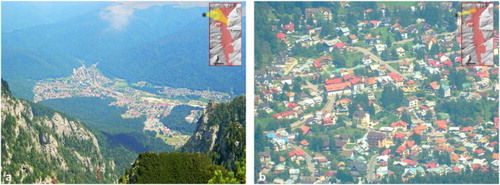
189, 4
119, 15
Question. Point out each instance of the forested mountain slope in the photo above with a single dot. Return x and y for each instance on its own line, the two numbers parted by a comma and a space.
40, 145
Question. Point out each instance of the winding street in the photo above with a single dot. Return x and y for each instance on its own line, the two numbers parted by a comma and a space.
375, 58
310, 164
328, 107
370, 170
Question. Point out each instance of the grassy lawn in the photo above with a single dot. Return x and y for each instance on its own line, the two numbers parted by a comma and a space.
381, 124
331, 69
384, 32
137, 85
362, 44
351, 132
121, 84
175, 140
349, 146
385, 118
391, 4
395, 66
353, 57
378, 95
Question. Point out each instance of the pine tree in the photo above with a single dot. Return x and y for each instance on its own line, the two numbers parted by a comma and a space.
406, 117
388, 41
286, 88
434, 49
371, 110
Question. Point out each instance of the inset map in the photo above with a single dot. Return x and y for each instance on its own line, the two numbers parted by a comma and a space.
477, 34
225, 34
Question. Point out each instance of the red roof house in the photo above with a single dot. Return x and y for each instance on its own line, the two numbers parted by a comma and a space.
280, 35
289, 27
296, 153
399, 123
333, 81
338, 86
305, 129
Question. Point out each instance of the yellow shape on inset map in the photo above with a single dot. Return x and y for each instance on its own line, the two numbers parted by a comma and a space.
467, 12
218, 16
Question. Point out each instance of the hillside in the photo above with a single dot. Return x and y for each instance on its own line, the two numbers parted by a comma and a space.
178, 60
170, 168
215, 152
220, 133
121, 139
40, 145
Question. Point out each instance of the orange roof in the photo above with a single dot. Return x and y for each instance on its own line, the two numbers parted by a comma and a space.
399, 135
338, 86
333, 81
305, 129
371, 81
400, 149
454, 157
325, 57
410, 144
330, 173
411, 82
395, 77
280, 35
483, 74
467, 129
304, 142
434, 85
419, 129
296, 152
354, 80
282, 158
495, 156
340, 45
442, 124
440, 141
323, 160
350, 71
399, 123
346, 100
283, 114
400, 109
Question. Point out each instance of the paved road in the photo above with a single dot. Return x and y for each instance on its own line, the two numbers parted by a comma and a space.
370, 170
328, 107
403, 41
400, 60
310, 85
375, 58
299, 123
411, 39
309, 162
293, 60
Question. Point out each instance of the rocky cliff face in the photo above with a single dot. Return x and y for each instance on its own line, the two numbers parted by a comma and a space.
220, 133
40, 145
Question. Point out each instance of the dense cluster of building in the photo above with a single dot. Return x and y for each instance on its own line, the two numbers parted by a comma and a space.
89, 82
430, 145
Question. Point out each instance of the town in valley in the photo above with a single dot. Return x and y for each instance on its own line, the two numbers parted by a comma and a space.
371, 92
153, 106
